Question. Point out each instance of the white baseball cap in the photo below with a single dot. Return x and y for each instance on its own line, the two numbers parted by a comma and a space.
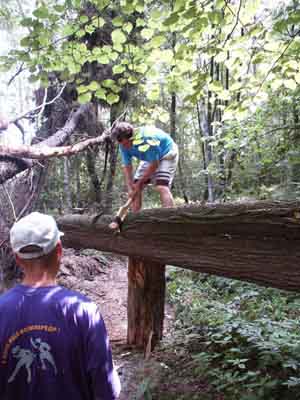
35, 229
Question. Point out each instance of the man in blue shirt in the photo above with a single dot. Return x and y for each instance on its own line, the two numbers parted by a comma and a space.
158, 155
53, 341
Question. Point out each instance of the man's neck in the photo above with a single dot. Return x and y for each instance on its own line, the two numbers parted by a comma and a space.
40, 280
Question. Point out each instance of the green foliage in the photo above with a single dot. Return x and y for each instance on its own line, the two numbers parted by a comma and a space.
248, 337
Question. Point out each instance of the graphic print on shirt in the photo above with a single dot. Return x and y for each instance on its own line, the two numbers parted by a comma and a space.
39, 352
144, 143
44, 353
32, 353
26, 358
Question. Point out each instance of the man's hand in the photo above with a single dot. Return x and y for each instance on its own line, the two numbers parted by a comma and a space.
135, 189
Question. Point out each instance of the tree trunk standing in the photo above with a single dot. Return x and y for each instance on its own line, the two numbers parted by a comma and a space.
146, 301
208, 134
17, 198
95, 182
67, 185
78, 181
21, 181
113, 156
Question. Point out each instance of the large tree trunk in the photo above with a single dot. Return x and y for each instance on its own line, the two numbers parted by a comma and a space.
20, 184
256, 242
146, 299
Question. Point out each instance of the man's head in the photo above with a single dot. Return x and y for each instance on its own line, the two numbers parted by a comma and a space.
35, 237
122, 131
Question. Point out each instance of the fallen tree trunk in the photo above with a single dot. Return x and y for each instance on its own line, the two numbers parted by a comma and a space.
256, 242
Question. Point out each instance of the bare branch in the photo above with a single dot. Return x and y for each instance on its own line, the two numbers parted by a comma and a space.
21, 69
42, 151
237, 19
10, 202
39, 107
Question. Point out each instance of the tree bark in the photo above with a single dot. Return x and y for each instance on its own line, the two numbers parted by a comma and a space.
256, 242
20, 184
146, 299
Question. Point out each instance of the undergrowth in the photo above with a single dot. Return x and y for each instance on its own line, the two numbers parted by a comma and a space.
241, 339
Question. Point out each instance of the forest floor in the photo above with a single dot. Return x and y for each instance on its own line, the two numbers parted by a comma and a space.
103, 278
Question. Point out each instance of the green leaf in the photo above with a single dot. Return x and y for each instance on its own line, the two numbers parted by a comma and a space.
83, 19
25, 42
157, 41
179, 5
167, 56
290, 84
41, 12
127, 27
80, 33
147, 33
68, 30
118, 37
94, 85
215, 86
115, 88
103, 59
276, 84
139, 7
140, 22
163, 117
90, 28
118, 21
297, 78
100, 94
141, 69
118, 69
132, 80
112, 98
172, 19
153, 94
190, 13
128, 8
59, 8
85, 98
27, 22
108, 83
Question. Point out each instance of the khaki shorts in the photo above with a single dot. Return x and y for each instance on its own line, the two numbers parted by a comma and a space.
165, 172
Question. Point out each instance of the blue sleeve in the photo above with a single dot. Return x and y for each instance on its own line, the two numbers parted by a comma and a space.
103, 376
126, 157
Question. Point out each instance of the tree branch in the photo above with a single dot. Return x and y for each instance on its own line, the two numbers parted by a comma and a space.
39, 107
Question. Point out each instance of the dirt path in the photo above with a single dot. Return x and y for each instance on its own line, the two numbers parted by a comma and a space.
103, 278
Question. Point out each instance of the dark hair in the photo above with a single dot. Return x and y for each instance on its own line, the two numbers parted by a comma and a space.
122, 130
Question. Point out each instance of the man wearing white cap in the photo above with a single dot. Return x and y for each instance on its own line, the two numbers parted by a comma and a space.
53, 341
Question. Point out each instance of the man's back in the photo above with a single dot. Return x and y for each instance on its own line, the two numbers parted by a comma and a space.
53, 345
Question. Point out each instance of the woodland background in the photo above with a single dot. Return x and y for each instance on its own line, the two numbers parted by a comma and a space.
222, 77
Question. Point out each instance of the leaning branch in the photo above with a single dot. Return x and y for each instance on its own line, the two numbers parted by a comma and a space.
43, 152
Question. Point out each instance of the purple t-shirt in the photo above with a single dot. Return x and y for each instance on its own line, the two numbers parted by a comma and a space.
53, 345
